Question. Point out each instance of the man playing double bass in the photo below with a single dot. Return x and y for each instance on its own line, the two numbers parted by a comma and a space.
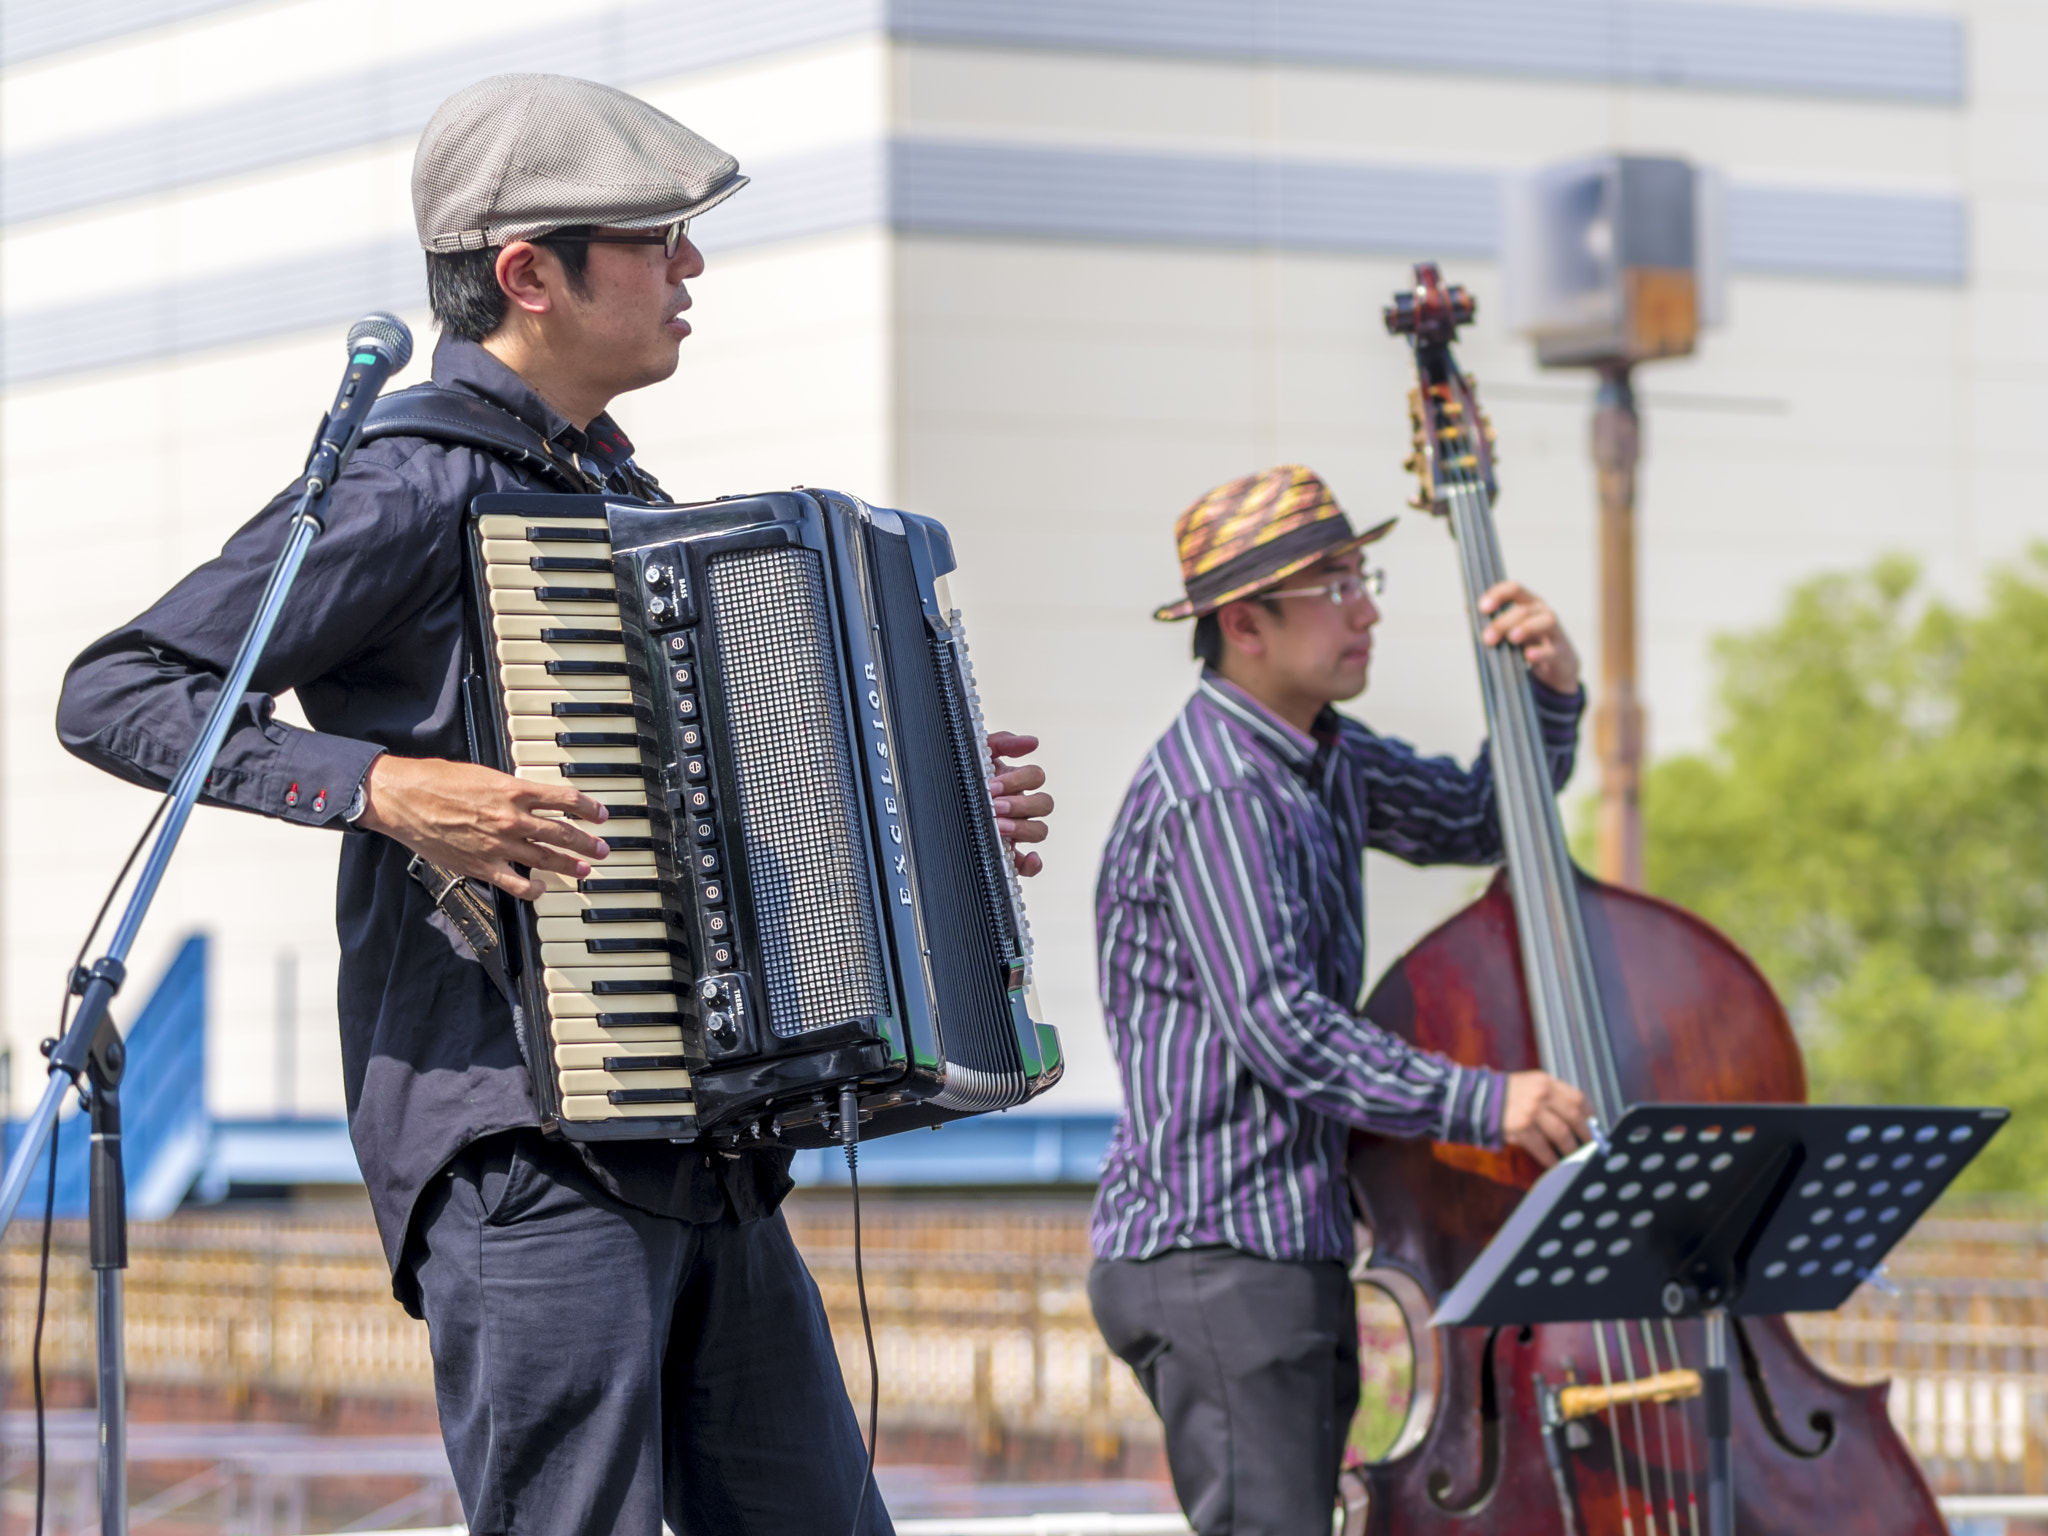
1231, 919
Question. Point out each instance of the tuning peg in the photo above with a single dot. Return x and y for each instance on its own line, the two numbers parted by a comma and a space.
1413, 463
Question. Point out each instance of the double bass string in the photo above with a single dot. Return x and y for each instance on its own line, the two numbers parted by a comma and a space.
1571, 982
1628, 1524
1662, 1413
1692, 1484
1628, 1373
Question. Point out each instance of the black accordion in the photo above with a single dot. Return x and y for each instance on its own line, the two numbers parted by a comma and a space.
771, 696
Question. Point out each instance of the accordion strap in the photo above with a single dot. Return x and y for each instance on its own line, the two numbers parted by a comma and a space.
450, 416
474, 916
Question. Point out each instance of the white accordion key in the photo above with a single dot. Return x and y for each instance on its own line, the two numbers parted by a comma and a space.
595, 1106
532, 754
589, 1006
618, 685
508, 577
500, 526
542, 701
578, 952
519, 551
588, 1056
565, 930
571, 613
581, 979
573, 1030
600, 1081
537, 626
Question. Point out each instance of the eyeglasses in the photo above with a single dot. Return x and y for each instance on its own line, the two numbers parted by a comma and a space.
1343, 591
670, 239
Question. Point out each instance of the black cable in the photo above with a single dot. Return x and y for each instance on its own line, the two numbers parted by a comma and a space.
36, 1348
849, 1132
71, 990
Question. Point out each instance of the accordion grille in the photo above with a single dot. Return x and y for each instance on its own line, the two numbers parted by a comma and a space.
801, 819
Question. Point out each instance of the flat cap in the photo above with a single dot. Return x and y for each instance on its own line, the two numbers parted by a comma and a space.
515, 156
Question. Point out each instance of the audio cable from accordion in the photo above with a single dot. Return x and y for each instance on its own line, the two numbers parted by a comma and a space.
849, 1133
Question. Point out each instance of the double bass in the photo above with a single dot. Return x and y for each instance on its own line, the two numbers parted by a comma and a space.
1630, 999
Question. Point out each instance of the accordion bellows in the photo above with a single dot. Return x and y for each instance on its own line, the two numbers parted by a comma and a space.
772, 697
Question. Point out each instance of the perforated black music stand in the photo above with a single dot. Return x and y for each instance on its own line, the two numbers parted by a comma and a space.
1702, 1210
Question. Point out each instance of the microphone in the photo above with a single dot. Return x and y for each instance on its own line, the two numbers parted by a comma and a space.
378, 346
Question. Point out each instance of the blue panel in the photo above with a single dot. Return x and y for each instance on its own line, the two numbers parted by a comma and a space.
1651, 42
1007, 1148
326, 117
163, 1092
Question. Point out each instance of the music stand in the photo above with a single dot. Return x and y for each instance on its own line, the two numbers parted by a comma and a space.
1702, 1210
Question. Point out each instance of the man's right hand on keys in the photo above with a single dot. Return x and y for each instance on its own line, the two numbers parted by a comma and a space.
479, 822
1546, 1118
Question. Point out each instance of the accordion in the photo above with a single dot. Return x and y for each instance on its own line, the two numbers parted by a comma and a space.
772, 698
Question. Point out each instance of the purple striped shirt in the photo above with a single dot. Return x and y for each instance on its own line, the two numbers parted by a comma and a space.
1230, 914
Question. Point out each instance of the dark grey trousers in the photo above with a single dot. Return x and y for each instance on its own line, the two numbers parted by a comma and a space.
599, 1368
1253, 1366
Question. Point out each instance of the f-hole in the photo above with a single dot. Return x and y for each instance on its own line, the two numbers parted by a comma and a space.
1489, 1443
1821, 1422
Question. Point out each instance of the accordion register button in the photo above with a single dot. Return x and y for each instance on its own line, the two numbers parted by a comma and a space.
707, 861
713, 892
693, 768
705, 831
719, 955
685, 677
686, 706
690, 738
679, 645
698, 801
716, 925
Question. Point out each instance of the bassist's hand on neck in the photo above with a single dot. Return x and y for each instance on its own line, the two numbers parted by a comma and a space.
1522, 619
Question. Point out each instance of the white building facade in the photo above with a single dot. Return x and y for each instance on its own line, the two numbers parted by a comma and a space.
1045, 269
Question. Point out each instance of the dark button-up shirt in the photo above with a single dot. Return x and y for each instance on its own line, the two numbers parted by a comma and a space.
371, 642
1230, 913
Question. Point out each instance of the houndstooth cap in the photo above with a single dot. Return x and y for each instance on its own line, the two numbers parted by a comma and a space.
515, 156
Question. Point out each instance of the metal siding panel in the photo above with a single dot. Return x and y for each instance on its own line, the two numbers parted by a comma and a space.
815, 195
1802, 232
1018, 192
1653, 42
395, 101
33, 29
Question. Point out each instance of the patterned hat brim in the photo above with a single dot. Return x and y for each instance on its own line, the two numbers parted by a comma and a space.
1187, 608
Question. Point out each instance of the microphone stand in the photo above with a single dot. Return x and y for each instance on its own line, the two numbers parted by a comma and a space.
91, 1056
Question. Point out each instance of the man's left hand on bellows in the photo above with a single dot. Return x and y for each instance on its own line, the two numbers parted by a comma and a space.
1522, 619
1021, 804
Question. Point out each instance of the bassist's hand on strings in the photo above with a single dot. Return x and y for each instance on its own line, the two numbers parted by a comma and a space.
1524, 620
479, 822
1546, 1118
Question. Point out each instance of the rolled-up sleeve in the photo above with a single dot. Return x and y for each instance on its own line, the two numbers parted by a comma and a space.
135, 701
1224, 870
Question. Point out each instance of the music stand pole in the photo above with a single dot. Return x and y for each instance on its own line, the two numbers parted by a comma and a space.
1714, 1391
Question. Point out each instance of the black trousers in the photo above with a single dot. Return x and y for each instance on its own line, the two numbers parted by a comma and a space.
600, 1368
1253, 1366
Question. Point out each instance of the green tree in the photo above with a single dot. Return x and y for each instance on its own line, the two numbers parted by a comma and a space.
1871, 824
